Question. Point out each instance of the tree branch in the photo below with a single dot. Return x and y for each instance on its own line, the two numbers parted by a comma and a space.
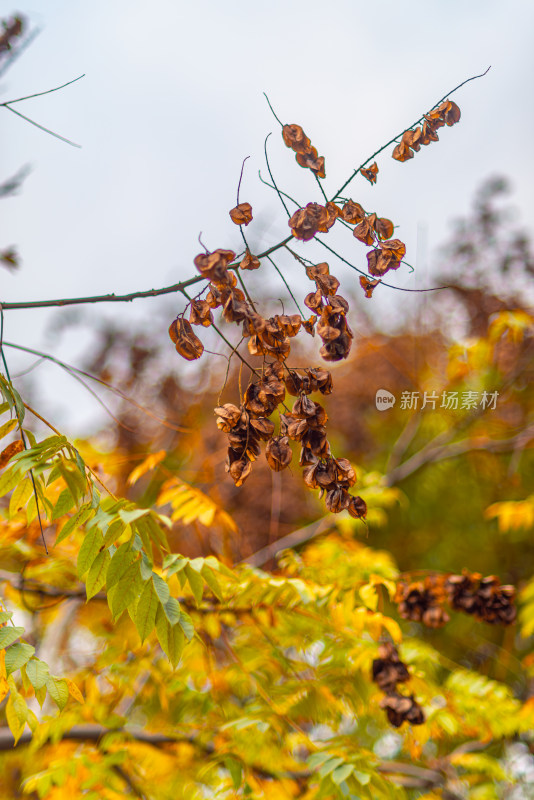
408, 775
431, 454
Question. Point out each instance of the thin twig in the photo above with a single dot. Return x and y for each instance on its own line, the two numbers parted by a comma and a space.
272, 176
41, 127
286, 284
272, 109
71, 369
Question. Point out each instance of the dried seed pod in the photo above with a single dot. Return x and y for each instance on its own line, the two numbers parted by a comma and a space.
388, 669
235, 306
238, 466
384, 228
357, 507
241, 214
213, 265
368, 286
306, 222
228, 416
364, 232
309, 325
187, 344
295, 138
200, 313
314, 301
249, 261
402, 152
278, 453
370, 173
337, 499
352, 212
263, 428
400, 708
311, 160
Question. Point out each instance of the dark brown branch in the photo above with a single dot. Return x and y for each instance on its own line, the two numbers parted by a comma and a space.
126, 298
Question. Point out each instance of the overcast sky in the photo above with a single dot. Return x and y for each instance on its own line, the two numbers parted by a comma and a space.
172, 101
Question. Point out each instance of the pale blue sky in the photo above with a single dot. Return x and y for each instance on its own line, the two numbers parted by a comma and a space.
172, 102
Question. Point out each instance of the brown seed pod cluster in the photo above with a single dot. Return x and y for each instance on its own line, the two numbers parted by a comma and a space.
447, 113
305, 423
306, 154
331, 310
421, 601
387, 671
485, 598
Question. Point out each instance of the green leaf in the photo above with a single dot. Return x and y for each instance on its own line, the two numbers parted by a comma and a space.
16, 711
330, 765
114, 531
170, 637
37, 672
58, 691
127, 591
146, 567
236, 771
9, 479
211, 579
9, 634
162, 590
64, 504
195, 582
174, 563
363, 778
92, 544
172, 610
73, 477
5, 616
131, 516
81, 516
145, 615
341, 773
21, 494
157, 535
122, 559
97, 574
17, 655
7, 427
40, 694
186, 624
